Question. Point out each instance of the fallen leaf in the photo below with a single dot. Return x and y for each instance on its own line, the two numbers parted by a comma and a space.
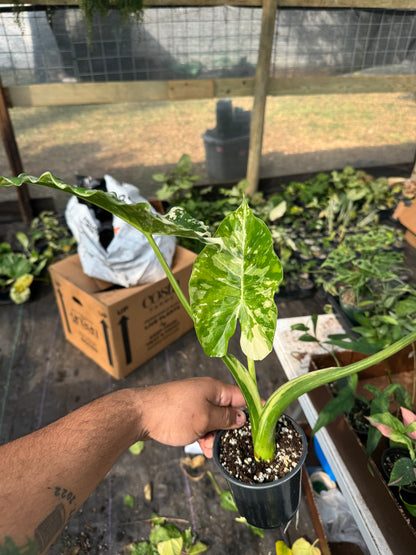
137, 447
129, 500
170, 547
148, 492
303, 547
191, 464
282, 548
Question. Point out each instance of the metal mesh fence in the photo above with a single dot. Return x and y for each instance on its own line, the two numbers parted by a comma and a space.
51, 45
342, 41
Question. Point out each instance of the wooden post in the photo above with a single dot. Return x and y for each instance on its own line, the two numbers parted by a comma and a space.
413, 174
260, 93
13, 156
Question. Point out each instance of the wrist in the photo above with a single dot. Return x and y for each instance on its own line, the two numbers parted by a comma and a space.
131, 404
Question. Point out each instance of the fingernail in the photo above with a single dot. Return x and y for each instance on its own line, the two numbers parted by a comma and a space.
240, 418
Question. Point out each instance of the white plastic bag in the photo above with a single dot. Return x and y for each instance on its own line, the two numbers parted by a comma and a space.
129, 259
337, 519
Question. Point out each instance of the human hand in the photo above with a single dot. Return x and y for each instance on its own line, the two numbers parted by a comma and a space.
181, 412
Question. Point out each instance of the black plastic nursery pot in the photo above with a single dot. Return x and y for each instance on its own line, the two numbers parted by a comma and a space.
388, 458
269, 504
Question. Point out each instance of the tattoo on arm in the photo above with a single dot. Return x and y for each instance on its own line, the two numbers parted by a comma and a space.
50, 527
53, 524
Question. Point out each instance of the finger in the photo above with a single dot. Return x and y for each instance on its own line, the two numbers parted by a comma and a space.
225, 418
230, 395
206, 443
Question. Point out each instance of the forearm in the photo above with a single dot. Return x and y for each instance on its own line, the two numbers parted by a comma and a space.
46, 476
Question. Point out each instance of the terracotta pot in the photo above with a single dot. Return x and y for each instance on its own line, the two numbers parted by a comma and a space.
270, 504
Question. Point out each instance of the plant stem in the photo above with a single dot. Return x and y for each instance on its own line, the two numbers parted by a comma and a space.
252, 369
243, 378
169, 274
414, 375
264, 443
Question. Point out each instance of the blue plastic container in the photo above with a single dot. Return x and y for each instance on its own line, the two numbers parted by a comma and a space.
322, 459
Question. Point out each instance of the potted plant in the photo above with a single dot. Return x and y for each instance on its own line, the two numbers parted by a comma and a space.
234, 278
24, 262
398, 462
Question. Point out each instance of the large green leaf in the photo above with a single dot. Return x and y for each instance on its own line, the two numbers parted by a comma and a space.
175, 222
237, 281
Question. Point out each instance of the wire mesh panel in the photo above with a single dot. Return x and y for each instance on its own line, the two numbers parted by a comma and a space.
341, 41
171, 43
53, 45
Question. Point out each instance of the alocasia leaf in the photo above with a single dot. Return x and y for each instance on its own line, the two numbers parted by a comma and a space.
176, 222
236, 281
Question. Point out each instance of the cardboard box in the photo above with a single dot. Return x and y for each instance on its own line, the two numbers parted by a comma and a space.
407, 217
121, 328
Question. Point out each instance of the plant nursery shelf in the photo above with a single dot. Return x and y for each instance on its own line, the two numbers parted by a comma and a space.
383, 524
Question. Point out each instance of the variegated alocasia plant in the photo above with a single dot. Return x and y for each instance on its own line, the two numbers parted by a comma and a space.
234, 278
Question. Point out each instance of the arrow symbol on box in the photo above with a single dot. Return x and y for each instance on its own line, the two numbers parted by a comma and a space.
61, 300
107, 343
125, 335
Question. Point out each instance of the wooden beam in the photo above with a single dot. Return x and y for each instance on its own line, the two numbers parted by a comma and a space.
13, 157
60, 94
376, 4
260, 94
341, 84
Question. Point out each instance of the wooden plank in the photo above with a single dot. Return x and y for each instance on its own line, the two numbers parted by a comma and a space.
349, 84
191, 89
260, 94
379, 4
58, 94
225, 88
13, 157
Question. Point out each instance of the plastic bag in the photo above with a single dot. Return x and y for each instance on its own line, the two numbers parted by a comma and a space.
337, 519
128, 259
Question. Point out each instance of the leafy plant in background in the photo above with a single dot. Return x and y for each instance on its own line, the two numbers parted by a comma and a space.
401, 432
166, 538
345, 397
9, 547
234, 277
307, 219
45, 240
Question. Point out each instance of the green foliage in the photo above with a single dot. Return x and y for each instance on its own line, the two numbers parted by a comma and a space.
128, 500
403, 434
307, 219
33, 251
9, 547
166, 538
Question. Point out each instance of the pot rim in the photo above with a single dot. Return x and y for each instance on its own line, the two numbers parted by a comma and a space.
263, 485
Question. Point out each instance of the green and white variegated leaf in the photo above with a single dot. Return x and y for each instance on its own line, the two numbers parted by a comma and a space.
176, 222
237, 281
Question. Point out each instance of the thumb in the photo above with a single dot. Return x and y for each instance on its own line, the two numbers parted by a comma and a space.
226, 418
